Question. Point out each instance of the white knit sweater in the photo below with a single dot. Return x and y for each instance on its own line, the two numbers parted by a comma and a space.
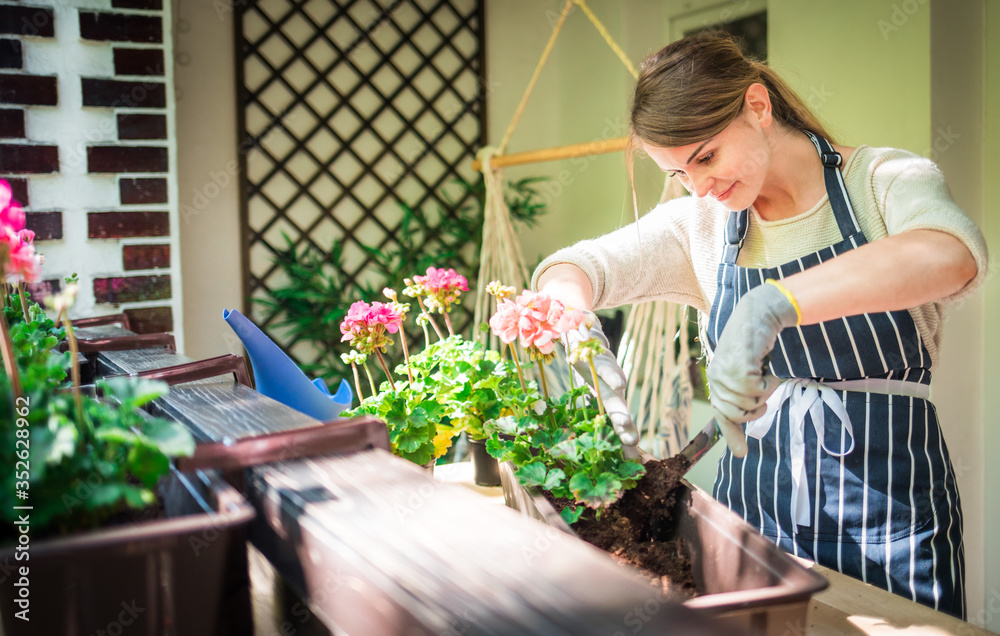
674, 252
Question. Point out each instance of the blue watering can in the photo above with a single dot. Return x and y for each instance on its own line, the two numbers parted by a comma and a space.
280, 379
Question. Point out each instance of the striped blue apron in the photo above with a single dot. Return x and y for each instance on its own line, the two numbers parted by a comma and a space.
848, 467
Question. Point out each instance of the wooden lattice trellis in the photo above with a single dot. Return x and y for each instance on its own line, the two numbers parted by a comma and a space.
349, 108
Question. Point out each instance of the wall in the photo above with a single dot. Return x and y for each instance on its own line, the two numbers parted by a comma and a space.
209, 220
989, 344
88, 141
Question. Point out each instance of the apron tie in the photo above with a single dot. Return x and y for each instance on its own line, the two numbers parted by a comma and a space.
806, 397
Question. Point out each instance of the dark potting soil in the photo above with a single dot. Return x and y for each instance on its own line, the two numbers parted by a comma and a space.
637, 529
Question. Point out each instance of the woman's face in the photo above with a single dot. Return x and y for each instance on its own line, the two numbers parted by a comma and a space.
729, 167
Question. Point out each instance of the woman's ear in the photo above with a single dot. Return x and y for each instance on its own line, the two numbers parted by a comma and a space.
757, 104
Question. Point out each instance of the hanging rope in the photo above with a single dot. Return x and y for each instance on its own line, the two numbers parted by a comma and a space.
607, 38
500, 258
534, 76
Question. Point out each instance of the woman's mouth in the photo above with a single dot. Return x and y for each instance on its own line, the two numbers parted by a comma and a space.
725, 195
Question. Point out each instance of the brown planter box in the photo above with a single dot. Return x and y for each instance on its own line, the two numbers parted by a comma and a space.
166, 576
743, 579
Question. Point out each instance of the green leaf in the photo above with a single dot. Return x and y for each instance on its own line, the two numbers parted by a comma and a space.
148, 464
555, 477
571, 514
134, 393
116, 435
533, 474
172, 438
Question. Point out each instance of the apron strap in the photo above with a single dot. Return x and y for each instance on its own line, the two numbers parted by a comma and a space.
736, 231
843, 211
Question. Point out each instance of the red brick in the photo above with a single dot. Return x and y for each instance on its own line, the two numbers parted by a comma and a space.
10, 54
47, 226
43, 289
142, 126
12, 123
30, 21
120, 27
145, 257
127, 159
151, 319
19, 188
129, 289
28, 90
138, 61
103, 225
122, 94
141, 191
24, 159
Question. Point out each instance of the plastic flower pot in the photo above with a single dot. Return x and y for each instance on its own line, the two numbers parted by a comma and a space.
183, 574
742, 579
485, 467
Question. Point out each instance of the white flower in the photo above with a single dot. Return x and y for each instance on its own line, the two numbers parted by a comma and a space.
64, 300
539, 407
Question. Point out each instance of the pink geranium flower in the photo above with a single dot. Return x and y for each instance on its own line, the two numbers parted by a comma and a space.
11, 212
504, 322
386, 315
537, 325
21, 262
442, 287
356, 320
367, 326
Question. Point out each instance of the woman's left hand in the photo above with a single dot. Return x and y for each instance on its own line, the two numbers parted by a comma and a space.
739, 384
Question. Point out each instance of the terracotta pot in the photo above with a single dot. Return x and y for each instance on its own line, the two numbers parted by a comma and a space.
485, 467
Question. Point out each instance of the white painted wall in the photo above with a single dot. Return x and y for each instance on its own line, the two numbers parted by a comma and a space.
72, 128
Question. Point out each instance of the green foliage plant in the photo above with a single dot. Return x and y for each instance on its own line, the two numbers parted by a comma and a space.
557, 443
79, 461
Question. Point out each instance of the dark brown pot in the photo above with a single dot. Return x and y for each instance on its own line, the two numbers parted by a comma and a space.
485, 466
165, 576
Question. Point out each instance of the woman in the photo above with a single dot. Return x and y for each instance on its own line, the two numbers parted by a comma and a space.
820, 272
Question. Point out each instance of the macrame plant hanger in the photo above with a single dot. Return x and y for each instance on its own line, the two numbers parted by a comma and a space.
647, 349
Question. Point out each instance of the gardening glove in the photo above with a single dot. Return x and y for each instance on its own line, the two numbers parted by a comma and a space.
611, 380
739, 383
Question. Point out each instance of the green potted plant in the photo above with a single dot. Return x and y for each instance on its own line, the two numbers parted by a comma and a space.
451, 385
89, 480
558, 443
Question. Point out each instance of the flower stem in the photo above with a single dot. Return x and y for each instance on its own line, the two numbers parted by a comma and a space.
517, 364
24, 303
357, 382
371, 382
430, 319
74, 366
388, 376
447, 323
406, 354
541, 375
9, 360
597, 387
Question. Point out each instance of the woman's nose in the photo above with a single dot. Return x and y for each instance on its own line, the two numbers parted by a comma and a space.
701, 185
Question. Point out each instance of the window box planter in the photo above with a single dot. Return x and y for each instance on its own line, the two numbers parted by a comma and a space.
158, 577
742, 579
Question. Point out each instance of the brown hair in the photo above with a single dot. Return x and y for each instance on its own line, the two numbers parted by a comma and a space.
693, 88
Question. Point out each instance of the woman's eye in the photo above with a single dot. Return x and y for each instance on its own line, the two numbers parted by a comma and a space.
707, 158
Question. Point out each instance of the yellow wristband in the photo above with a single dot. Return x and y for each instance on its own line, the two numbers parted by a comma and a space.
791, 299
